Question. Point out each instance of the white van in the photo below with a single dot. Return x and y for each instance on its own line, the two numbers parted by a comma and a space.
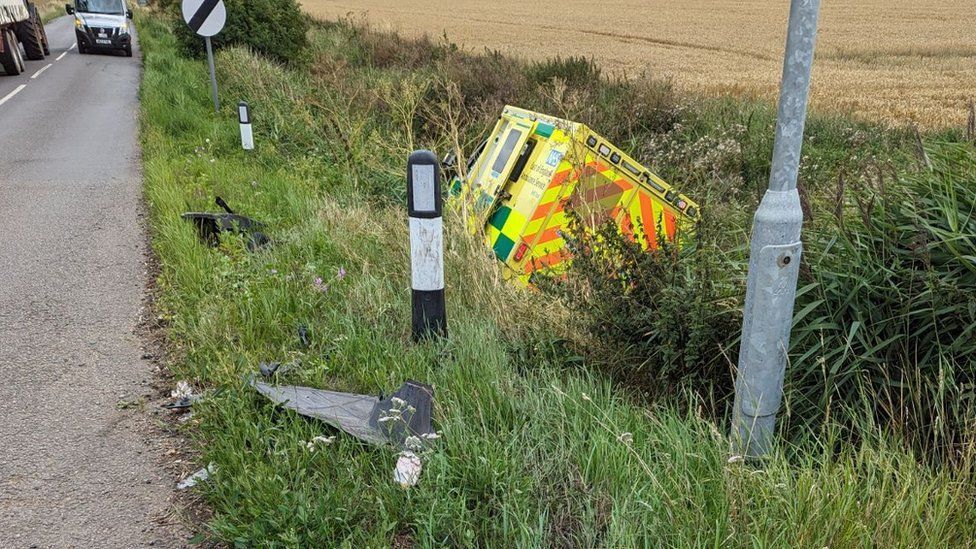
102, 25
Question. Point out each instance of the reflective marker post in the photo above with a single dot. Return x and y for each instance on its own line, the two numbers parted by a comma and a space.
429, 316
775, 248
244, 117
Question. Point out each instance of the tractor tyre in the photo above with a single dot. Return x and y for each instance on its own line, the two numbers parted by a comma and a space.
18, 52
47, 45
31, 34
9, 58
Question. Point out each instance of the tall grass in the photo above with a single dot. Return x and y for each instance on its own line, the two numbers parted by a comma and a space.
535, 450
889, 305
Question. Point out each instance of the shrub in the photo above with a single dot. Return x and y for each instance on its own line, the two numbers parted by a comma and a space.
390, 50
275, 28
575, 72
489, 78
661, 320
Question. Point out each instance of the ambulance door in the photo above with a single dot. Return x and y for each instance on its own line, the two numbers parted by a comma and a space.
493, 176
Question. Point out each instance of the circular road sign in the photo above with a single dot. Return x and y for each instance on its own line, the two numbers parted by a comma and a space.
205, 17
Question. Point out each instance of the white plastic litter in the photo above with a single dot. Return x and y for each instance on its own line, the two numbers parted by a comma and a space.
408, 468
182, 390
200, 476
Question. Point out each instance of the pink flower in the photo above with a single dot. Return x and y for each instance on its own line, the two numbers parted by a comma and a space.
320, 286
342, 273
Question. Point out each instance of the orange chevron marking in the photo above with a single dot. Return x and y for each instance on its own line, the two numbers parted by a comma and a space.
647, 217
669, 224
537, 263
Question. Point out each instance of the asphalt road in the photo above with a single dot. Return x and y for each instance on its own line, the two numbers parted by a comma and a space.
77, 469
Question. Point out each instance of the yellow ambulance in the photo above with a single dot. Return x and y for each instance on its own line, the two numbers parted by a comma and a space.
533, 169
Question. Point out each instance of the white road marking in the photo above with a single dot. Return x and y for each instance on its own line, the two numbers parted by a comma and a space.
13, 93
73, 46
44, 68
62, 55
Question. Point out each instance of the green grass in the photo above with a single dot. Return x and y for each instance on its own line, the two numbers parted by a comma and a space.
536, 451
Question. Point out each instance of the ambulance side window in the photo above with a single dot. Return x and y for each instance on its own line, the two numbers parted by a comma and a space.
522, 160
506, 151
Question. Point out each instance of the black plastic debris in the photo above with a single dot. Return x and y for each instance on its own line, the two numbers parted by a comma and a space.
210, 224
270, 369
183, 397
303, 336
182, 403
376, 421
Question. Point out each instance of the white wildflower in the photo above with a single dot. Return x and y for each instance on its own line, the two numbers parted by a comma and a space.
413, 443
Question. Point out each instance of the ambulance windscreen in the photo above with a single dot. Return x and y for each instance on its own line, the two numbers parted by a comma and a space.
506, 152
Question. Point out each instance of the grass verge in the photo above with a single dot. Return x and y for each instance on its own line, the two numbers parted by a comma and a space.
534, 450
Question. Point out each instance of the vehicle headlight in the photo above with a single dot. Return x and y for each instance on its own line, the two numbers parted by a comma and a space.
78, 23
124, 29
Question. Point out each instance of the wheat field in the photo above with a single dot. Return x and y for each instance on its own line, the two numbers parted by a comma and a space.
893, 61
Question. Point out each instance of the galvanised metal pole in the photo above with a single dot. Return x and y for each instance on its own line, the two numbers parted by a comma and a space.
774, 258
213, 74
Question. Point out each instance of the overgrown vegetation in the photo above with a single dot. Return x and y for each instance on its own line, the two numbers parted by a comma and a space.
884, 320
538, 447
675, 324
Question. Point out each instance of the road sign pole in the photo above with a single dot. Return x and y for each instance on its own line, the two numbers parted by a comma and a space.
775, 248
213, 74
429, 314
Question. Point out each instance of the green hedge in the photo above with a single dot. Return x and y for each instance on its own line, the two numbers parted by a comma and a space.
274, 28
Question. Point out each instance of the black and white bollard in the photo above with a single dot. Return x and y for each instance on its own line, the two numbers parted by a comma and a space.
244, 116
426, 245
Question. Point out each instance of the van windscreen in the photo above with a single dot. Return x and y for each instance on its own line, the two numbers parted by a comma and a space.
113, 7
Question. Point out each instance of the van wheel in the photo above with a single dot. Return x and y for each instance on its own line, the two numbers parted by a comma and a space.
8, 59
128, 51
30, 34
